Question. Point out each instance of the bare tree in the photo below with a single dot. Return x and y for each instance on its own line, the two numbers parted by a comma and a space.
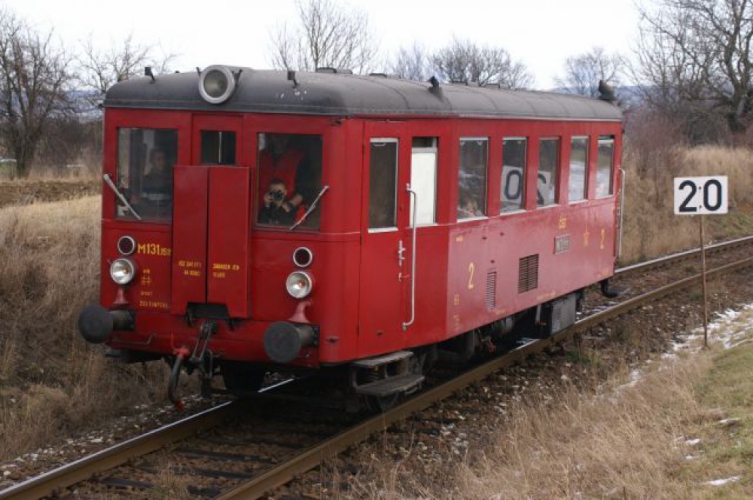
413, 63
326, 35
101, 68
463, 60
33, 87
584, 71
698, 53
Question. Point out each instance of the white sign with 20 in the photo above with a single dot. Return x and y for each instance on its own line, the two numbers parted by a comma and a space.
701, 195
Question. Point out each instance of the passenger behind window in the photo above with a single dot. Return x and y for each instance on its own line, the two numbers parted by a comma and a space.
294, 162
468, 206
277, 208
159, 181
156, 187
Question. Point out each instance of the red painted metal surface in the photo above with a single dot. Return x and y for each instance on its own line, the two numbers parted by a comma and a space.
467, 273
228, 278
189, 262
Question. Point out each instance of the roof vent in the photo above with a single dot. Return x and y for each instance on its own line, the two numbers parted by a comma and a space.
335, 71
606, 92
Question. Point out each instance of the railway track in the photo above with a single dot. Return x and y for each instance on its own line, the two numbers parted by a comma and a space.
222, 462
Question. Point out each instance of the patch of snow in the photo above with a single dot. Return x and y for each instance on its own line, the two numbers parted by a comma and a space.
692, 442
722, 482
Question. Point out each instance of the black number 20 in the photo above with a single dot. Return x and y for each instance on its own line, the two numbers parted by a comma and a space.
707, 196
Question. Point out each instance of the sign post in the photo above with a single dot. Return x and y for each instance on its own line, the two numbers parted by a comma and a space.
700, 196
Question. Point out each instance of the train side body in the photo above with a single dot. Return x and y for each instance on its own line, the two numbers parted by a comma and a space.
213, 258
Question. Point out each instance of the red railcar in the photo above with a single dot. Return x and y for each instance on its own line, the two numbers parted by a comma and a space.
264, 220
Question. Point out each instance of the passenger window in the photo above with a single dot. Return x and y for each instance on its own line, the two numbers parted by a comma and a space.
289, 180
383, 184
423, 180
145, 173
549, 153
472, 178
578, 169
604, 167
217, 147
513, 174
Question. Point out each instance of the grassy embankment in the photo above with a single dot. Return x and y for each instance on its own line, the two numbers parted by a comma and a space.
685, 430
51, 383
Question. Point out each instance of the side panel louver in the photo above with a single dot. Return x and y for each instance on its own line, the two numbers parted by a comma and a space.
528, 273
491, 290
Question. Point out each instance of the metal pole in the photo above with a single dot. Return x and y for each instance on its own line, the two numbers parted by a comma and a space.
703, 281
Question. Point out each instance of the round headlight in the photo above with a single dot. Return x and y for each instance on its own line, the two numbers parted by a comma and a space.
216, 84
303, 257
122, 271
299, 284
126, 245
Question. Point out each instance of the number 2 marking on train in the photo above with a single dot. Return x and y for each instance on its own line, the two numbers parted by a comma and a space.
471, 271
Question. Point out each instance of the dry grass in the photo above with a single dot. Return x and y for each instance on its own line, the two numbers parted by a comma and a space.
630, 441
651, 228
50, 381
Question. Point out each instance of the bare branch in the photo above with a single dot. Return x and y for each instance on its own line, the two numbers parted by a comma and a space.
583, 72
326, 35
464, 60
33, 87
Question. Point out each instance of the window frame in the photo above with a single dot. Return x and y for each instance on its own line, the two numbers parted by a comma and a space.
396, 141
485, 206
220, 135
557, 171
610, 191
522, 206
176, 159
433, 149
586, 169
256, 201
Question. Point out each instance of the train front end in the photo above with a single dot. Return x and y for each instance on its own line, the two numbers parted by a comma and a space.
216, 238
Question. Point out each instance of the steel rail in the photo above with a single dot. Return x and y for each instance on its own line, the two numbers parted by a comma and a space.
285, 472
49, 482
82, 469
667, 259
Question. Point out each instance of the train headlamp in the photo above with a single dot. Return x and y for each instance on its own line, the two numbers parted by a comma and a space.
122, 271
216, 84
303, 257
299, 284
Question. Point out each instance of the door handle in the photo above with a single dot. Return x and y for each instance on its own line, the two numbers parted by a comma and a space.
401, 252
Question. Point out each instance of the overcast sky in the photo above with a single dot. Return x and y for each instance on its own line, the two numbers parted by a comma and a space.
541, 33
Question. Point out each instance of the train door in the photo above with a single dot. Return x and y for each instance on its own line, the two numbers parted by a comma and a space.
385, 255
211, 223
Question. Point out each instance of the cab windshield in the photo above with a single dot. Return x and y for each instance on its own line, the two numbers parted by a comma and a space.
289, 180
145, 172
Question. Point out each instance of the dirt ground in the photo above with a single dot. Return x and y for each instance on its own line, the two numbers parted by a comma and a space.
26, 192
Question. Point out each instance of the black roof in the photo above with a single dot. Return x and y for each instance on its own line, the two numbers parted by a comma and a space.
340, 94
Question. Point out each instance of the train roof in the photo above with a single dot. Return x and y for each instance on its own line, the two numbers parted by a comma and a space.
343, 94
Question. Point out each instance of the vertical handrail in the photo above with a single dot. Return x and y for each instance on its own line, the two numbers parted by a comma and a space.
414, 200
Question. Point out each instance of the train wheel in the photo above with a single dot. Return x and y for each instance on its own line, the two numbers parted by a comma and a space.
241, 379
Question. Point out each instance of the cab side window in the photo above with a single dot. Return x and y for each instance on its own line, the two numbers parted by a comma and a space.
472, 178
